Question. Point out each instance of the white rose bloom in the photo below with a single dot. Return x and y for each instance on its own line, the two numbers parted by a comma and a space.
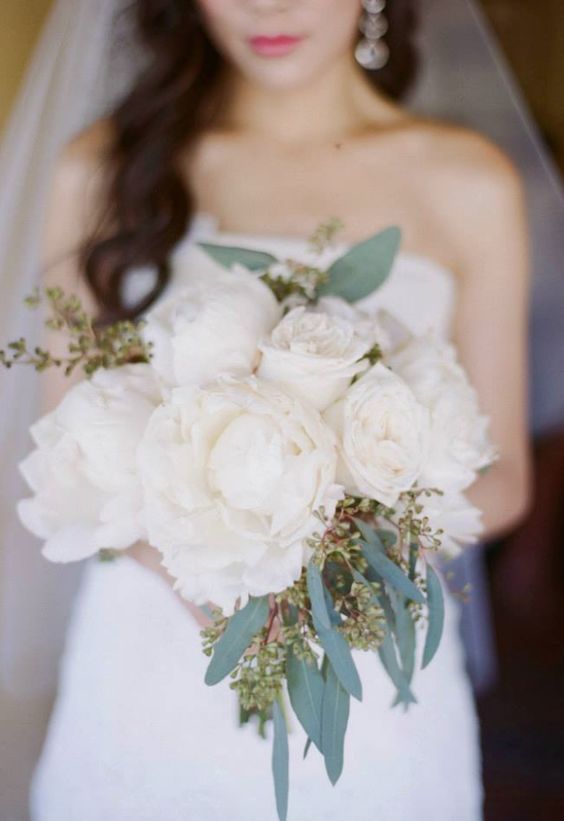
313, 356
384, 434
368, 326
210, 327
233, 474
459, 432
83, 471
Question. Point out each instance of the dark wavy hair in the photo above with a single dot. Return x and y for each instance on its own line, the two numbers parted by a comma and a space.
148, 204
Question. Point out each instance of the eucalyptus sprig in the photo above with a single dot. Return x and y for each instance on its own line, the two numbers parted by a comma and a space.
89, 348
367, 586
362, 269
324, 234
291, 278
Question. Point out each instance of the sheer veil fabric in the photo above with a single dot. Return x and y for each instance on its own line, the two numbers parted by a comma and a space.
80, 67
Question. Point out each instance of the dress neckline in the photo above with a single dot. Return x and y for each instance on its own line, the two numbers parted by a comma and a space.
421, 260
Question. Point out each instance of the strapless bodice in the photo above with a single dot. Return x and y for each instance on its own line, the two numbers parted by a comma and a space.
419, 291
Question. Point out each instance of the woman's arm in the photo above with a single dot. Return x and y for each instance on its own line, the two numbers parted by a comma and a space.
491, 321
71, 213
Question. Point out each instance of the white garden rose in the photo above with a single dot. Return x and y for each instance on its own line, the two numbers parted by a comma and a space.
83, 472
459, 445
210, 327
233, 474
313, 356
384, 434
369, 327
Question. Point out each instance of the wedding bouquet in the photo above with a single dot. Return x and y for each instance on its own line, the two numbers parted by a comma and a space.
296, 462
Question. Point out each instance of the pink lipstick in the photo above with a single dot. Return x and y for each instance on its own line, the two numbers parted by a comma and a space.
274, 46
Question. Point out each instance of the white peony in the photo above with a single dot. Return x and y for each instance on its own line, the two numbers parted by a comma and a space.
233, 474
459, 444
211, 327
384, 434
83, 471
313, 356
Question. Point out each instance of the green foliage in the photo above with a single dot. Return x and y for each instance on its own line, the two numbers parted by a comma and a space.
372, 549
317, 596
89, 347
108, 555
361, 270
280, 761
242, 627
435, 602
228, 255
364, 268
339, 654
334, 719
305, 688
325, 233
259, 676
388, 657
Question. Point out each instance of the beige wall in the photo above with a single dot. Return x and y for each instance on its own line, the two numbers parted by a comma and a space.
20, 22
532, 34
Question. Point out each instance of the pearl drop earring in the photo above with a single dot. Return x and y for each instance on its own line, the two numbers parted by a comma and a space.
372, 52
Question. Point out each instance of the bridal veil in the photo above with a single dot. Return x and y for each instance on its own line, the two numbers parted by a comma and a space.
84, 61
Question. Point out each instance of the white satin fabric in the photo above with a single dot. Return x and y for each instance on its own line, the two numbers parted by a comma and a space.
136, 735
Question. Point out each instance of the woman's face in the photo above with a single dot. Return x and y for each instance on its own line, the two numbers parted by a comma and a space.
311, 35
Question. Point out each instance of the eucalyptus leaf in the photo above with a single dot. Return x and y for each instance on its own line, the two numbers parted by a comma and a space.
390, 572
382, 599
334, 617
340, 656
364, 267
413, 555
334, 720
228, 255
305, 688
406, 641
436, 606
338, 653
369, 533
386, 606
405, 634
387, 537
395, 623
242, 627
388, 657
292, 615
315, 589
405, 638
280, 761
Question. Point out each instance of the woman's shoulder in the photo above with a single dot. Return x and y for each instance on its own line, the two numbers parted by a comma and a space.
462, 179
473, 173
444, 150
83, 157
456, 157
78, 181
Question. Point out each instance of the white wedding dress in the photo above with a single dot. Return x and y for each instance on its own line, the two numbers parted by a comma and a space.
136, 734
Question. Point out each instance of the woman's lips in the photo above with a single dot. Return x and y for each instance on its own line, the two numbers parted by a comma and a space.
274, 46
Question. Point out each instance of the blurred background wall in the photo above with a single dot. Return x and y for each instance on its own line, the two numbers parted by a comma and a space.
532, 35
20, 23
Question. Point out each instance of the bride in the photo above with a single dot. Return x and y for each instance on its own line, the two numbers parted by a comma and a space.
252, 122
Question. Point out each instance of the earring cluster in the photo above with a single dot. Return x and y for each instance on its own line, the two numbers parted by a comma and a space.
372, 52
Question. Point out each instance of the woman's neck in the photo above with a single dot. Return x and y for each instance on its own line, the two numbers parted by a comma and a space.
340, 102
